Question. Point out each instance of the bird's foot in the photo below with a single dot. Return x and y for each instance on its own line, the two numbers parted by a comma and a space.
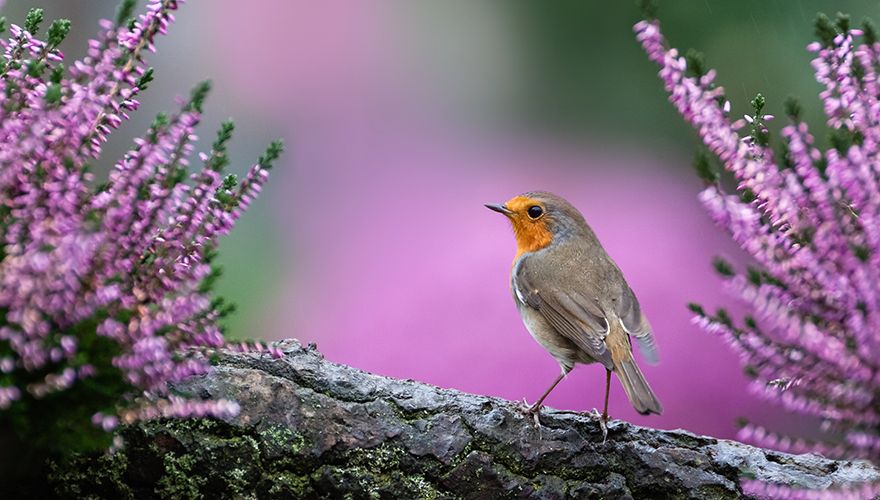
533, 411
603, 423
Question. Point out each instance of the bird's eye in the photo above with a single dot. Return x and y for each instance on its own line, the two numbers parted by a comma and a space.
535, 211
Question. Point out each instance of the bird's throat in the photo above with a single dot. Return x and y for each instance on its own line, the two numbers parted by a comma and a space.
531, 236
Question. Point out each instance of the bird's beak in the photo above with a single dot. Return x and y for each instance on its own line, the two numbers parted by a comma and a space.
497, 207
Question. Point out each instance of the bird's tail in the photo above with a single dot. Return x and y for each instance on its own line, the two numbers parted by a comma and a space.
636, 387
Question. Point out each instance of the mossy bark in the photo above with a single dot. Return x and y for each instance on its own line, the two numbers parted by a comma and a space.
310, 428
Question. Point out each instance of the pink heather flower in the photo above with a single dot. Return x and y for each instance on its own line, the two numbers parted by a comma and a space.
126, 267
8, 395
274, 349
810, 220
106, 422
758, 489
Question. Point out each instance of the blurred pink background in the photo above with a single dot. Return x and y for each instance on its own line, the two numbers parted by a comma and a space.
404, 273
401, 118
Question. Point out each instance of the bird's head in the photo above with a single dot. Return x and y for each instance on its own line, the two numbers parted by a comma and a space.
540, 219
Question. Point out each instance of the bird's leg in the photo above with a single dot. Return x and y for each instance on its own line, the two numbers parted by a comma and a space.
537, 406
607, 390
535, 409
603, 418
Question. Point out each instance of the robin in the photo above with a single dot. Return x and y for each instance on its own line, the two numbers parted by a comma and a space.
573, 298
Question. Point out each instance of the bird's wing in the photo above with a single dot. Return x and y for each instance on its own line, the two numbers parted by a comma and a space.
571, 314
636, 324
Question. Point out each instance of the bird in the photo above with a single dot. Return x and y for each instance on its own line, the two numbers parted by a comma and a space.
574, 300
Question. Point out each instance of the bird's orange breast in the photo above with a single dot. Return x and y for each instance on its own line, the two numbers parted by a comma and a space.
531, 236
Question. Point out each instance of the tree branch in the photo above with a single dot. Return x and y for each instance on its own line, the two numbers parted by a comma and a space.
312, 428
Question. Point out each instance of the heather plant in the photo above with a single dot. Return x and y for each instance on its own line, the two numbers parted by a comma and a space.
810, 220
105, 287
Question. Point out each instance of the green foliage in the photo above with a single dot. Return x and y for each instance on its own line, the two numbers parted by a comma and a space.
144, 80
57, 74
784, 155
843, 138
759, 132
754, 276
723, 317
648, 9
825, 29
60, 423
822, 166
722, 267
219, 157
175, 176
33, 20
746, 195
53, 94
861, 252
210, 280
842, 22
124, 11
224, 195
197, 96
58, 31
696, 309
229, 182
793, 109
35, 68
696, 63
870, 30
272, 153
159, 123
758, 104
222, 306
704, 166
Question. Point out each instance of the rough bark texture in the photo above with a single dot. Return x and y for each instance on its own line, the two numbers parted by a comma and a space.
312, 428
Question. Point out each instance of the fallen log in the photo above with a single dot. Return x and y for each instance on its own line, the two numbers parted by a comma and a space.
312, 428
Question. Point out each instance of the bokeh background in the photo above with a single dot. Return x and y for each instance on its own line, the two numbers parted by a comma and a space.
403, 117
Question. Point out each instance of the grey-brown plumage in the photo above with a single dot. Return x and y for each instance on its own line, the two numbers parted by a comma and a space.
573, 298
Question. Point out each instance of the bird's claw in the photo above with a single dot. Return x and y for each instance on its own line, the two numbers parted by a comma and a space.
603, 424
532, 410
